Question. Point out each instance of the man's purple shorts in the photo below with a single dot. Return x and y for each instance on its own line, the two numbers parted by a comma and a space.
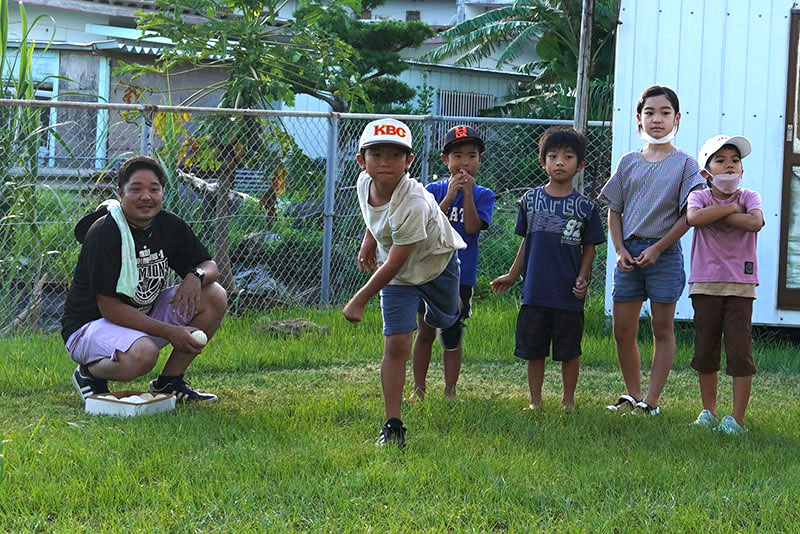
101, 339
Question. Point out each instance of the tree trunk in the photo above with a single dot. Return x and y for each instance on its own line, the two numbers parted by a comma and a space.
582, 88
222, 252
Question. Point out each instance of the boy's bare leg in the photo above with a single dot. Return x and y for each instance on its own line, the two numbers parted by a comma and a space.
569, 377
741, 396
708, 391
663, 323
535, 381
421, 358
396, 349
452, 368
626, 327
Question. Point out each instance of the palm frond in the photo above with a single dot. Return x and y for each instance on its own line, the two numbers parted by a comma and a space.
484, 19
518, 44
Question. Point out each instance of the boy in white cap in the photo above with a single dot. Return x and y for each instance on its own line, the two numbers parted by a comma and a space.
410, 249
724, 276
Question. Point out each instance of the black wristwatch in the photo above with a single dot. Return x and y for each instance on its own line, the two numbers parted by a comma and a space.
199, 273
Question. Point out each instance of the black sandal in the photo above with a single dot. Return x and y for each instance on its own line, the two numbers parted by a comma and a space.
621, 402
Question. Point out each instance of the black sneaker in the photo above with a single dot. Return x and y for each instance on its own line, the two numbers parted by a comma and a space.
451, 336
86, 384
393, 431
182, 390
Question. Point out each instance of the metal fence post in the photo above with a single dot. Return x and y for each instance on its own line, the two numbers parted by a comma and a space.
426, 149
329, 206
146, 141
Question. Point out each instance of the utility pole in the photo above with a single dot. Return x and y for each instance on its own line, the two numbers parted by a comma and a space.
582, 88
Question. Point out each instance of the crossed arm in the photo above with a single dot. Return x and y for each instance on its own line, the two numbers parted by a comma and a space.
732, 214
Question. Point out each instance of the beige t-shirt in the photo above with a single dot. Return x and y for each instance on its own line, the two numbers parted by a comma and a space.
411, 216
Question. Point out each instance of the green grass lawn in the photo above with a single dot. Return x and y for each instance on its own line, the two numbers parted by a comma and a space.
290, 445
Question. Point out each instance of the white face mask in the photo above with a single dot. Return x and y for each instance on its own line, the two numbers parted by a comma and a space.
647, 138
726, 183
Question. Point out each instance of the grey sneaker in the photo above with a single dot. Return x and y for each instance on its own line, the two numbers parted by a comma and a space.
730, 426
706, 419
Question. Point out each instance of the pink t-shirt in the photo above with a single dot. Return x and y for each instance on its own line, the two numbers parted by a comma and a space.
720, 252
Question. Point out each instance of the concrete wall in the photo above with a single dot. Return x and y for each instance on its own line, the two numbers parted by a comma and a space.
183, 84
70, 24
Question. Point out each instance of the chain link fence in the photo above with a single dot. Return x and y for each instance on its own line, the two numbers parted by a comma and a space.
271, 194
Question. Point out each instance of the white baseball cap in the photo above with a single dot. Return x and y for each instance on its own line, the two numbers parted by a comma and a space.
718, 141
386, 131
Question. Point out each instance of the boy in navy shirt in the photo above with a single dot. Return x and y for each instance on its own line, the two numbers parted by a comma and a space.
468, 206
560, 228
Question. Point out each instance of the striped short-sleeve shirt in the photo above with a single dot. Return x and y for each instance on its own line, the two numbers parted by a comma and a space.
651, 195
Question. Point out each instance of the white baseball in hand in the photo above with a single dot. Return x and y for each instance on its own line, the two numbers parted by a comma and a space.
200, 336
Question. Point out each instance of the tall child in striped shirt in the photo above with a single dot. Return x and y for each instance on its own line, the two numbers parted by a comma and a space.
646, 199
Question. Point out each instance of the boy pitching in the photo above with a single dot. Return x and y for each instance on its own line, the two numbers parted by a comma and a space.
409, 247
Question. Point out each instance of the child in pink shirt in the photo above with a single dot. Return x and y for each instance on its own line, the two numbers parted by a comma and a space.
724, 275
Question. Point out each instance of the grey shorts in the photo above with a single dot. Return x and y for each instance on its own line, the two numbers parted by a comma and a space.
101, 338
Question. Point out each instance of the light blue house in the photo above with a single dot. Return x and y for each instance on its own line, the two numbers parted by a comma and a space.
91, 37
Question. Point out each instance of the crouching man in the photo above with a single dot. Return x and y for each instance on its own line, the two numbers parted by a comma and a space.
119, 312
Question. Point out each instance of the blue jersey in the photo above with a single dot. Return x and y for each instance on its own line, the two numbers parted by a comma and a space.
484, 205
555, 230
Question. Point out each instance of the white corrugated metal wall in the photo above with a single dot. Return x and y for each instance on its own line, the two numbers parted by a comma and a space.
727, 60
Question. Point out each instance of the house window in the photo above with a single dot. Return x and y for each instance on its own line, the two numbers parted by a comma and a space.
412, 15
789, 255
461, 104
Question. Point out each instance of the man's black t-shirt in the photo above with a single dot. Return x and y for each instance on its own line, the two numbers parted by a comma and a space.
167, 243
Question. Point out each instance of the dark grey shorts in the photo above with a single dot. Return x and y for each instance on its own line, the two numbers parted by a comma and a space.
539, 326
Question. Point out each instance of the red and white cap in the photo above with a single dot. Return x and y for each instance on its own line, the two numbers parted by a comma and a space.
386, 131
718, 141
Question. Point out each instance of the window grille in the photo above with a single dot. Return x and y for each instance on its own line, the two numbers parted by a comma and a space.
461, 104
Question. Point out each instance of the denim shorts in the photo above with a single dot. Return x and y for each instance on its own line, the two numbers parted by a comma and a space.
399, 304
661, 282
466, 302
